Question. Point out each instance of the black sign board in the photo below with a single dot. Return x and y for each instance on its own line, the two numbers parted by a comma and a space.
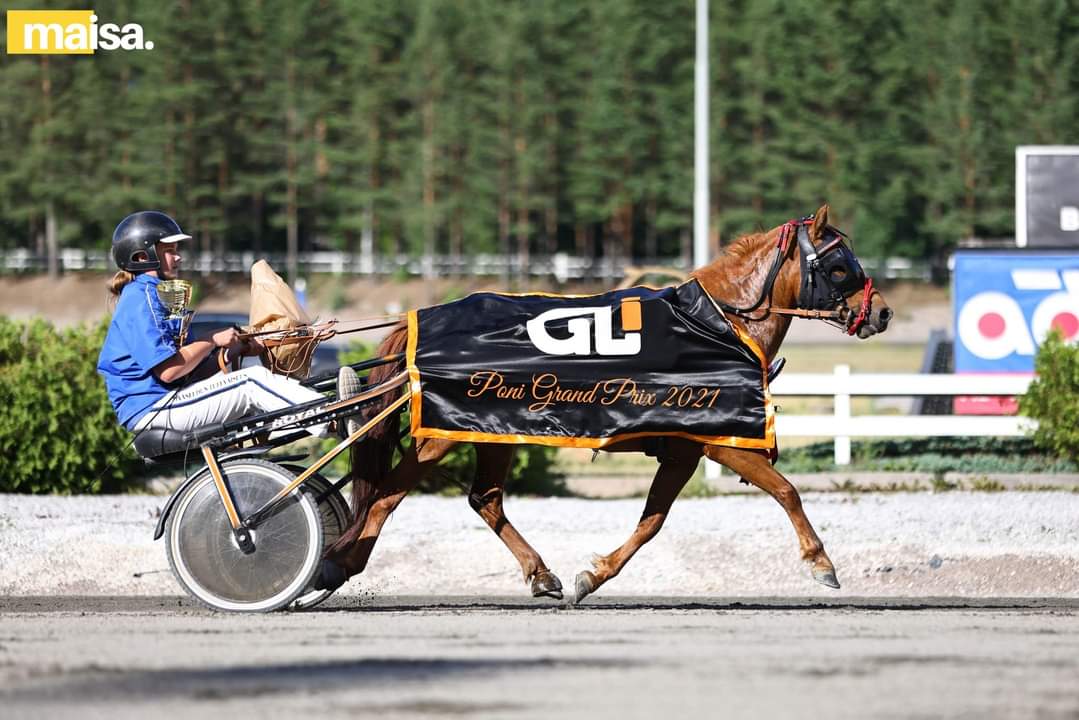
1047, 196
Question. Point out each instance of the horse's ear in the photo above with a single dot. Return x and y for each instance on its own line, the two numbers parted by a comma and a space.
820, 221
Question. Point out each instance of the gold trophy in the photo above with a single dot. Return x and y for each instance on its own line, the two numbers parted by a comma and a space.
176, 295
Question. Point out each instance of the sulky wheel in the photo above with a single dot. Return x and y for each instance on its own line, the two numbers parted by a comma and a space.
208, 562
335, 514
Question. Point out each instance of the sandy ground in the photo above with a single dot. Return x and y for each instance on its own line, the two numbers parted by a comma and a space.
959, 544
627, 661
637, 485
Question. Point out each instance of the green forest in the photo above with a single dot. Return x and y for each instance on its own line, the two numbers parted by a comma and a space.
469, 126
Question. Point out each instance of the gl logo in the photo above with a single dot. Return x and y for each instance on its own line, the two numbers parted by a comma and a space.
579, 341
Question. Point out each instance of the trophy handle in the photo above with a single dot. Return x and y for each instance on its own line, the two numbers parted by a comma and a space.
185, 324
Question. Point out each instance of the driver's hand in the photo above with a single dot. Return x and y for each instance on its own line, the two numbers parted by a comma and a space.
230, 340
227, 338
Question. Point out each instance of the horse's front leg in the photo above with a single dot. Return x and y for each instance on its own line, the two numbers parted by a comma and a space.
493, 464
757, 469
677, 464
352, 551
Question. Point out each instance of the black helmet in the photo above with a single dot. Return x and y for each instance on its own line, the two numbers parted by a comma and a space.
139, 232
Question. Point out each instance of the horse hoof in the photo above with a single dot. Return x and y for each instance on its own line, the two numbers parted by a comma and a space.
826, 577
586, 585
546, 584
330, 576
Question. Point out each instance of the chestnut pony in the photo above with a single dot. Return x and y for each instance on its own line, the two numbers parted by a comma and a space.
801, 268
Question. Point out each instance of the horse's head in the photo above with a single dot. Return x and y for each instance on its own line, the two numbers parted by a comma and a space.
833, 279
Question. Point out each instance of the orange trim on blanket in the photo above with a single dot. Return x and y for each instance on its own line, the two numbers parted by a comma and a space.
765, 443
769, 407
414, 385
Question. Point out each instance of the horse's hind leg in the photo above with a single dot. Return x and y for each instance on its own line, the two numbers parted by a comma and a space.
677, 464
757, 469
352, 551
492, 467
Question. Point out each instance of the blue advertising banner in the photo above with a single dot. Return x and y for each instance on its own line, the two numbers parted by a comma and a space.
1006, 303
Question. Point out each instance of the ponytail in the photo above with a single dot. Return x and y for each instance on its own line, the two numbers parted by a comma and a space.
117, 283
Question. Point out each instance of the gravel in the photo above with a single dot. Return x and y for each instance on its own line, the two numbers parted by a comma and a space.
954, 544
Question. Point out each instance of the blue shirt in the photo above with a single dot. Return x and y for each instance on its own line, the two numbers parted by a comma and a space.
141, 336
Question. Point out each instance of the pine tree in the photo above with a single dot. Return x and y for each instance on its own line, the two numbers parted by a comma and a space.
471, 189
665, 52
476, 126
889, 143
367, 91
42, 192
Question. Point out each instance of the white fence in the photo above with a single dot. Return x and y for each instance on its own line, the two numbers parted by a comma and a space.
841, 425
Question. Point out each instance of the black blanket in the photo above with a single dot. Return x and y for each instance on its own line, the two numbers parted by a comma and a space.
587, 371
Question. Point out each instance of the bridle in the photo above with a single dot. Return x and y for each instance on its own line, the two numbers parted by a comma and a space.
830, 274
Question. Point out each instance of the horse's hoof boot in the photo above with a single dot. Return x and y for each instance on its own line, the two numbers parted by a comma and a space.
826, 577
545, 584
775, 368
585, 585
330, 576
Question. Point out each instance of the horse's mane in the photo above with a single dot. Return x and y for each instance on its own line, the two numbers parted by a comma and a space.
743, 245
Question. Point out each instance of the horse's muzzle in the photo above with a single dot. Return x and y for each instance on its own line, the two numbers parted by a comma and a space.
876, 322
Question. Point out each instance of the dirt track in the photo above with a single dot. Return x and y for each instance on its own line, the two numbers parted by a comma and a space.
625, 658
729, 646
958, 544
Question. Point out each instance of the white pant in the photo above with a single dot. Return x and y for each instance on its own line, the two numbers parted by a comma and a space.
221, 398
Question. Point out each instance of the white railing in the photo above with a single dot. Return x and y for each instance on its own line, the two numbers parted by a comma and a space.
841, 385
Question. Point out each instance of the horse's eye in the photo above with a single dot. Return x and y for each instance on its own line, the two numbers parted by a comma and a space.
838, 273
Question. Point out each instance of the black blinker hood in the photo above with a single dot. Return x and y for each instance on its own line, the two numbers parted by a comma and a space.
821, 287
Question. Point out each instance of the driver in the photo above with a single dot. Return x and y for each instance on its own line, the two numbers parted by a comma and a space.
152, 383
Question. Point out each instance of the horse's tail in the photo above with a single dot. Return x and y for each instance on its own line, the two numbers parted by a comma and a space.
372, 457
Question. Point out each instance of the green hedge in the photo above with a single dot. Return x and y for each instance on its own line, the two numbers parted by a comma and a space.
1053, 397
58, 433
929, 455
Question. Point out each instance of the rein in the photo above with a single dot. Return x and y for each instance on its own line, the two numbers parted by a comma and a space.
317, 332
326, 329
770, 281
304, 338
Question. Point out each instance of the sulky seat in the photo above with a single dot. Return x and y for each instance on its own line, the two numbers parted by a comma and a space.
162, 445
